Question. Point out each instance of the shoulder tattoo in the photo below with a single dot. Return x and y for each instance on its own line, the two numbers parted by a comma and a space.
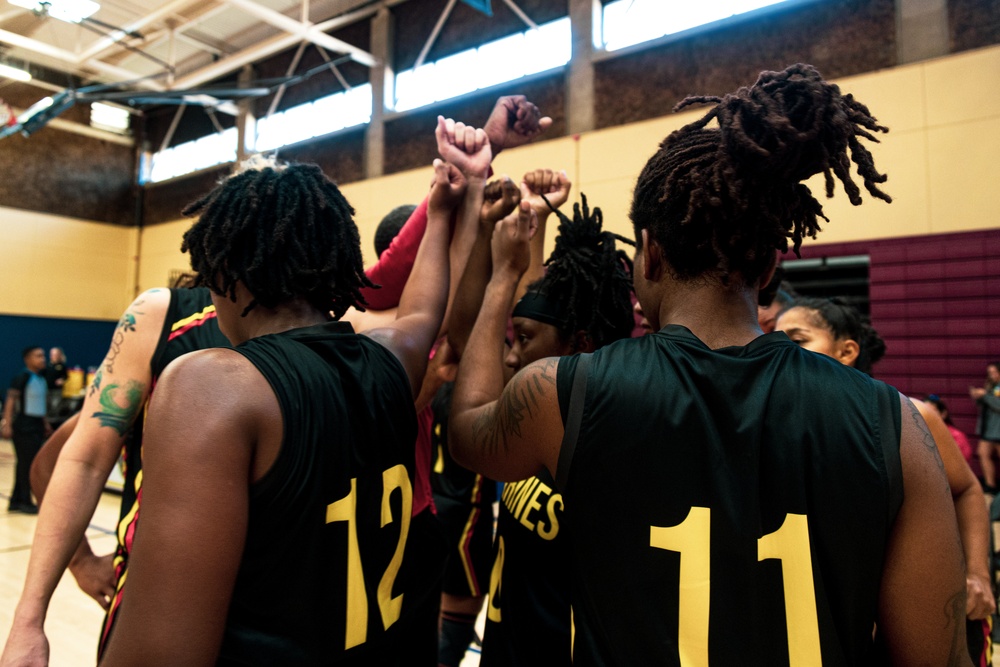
520, 399
126, 325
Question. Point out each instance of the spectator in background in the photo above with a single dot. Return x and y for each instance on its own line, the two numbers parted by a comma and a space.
987, 399
55, 376
55, 372
934, 401
24, 422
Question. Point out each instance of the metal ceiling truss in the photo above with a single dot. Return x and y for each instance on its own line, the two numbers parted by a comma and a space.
181, 18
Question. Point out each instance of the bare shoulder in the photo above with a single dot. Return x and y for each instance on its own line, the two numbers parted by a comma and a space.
215, 379
203, 368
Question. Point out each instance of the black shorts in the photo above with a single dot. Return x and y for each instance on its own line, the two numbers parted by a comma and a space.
470, 544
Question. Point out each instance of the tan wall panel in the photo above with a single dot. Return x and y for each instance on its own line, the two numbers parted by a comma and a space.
373, 198
161, 253
964, 174
558, 154
903, 157
895, 97
64, 267
963, 87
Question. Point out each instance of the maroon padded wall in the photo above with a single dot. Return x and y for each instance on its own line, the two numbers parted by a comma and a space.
935, 300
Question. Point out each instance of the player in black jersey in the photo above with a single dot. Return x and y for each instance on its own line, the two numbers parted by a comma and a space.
157, 327
836, 329
581, 304
732, 499
275, 513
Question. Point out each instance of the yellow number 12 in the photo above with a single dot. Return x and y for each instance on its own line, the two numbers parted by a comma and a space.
789, 544
345, 509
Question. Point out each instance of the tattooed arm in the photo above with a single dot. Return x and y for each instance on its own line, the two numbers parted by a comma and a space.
970, 510
109, 409
922, 597
505, 433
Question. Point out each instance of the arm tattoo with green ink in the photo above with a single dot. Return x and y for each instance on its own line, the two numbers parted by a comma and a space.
119, 408
96, 384
502, 420
125, 324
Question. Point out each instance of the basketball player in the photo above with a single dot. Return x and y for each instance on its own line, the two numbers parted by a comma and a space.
159, 326
731, 498
838, 330
303, 467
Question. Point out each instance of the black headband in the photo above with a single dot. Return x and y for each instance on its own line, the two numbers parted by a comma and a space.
538, 306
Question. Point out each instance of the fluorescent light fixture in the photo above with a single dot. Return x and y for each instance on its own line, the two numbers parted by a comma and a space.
72, 11
107, 117
14, 73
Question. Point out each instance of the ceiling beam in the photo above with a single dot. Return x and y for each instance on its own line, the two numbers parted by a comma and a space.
237, 60
115, 74
305, 30
110, 41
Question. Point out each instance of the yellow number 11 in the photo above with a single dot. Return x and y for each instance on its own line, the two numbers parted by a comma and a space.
789, 544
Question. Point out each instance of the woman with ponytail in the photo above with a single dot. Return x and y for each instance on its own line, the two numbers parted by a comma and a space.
730, 498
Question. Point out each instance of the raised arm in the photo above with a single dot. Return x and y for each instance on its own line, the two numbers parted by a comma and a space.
109, 410
922, 597
514, 122
546, 190
500, 199
505, 433
196, 476
970, 510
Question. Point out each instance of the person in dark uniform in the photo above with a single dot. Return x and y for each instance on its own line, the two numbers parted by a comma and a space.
464, 502
582, 303
731, 498
159, 326
24, 422
275, 513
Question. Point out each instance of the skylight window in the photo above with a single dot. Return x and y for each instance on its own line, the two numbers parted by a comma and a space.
506, 59
629, 22
194, 155
111, 118
323, 116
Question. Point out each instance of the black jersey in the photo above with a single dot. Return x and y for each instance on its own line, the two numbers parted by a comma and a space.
448, 479
323, 578
728, 506
190, 324
464, 502
528, 617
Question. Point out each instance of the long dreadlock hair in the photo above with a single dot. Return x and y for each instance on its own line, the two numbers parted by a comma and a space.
285, 232
721, 200
589, 275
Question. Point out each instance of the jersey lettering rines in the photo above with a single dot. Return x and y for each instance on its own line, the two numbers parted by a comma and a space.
535, 505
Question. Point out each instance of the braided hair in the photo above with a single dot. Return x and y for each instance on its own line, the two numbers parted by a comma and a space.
285, 232
590, 276
844, 321
721, 200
